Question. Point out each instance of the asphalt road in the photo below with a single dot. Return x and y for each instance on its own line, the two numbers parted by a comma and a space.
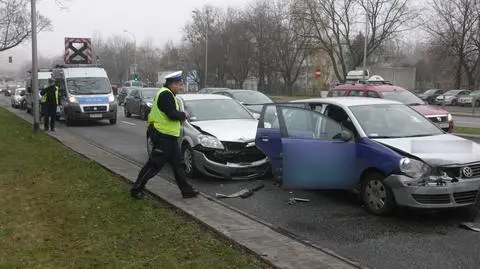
334, 219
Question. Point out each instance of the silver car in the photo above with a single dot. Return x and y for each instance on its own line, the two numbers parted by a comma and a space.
218, 138
18, 97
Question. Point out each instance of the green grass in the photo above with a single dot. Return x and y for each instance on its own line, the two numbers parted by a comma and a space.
59, 210
466, 130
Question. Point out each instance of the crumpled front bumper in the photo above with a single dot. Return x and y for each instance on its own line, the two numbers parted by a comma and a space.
231, 171
433, 196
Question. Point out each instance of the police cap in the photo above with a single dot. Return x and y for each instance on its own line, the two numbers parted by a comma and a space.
173, 77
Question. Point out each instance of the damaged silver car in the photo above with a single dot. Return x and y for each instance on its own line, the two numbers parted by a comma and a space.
218, 138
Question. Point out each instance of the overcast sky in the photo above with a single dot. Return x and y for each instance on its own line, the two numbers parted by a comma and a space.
160, 19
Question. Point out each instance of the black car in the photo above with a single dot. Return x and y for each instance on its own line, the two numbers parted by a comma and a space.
253, 100
139, 101
122, 94
430, 95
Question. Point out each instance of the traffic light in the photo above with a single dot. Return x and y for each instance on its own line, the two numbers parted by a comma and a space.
135, 77
10, 59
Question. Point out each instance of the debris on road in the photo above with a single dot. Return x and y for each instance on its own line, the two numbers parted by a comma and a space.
294, 200
243, 193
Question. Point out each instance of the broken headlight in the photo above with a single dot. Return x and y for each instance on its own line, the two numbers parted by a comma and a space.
208, 141
413, 168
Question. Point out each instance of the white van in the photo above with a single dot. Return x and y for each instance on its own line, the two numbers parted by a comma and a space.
86, 93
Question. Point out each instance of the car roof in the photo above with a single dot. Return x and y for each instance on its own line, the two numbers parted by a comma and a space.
371, 87
349, 101
201, 96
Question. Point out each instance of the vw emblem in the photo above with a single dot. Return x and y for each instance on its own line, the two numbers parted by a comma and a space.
467, 171
439, 118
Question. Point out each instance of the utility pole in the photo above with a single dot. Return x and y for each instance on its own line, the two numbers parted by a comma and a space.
36, 110
365, 48
206, 47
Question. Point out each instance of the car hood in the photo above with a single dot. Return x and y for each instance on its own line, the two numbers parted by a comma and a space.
438, 150
429, 110
241, 130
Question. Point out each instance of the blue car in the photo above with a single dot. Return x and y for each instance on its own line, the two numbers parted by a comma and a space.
389, 153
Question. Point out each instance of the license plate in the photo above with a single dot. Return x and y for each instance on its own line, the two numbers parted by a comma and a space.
443, 125
95, 116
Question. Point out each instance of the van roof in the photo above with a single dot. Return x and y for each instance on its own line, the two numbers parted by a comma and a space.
44, 75
84, 72
371, 87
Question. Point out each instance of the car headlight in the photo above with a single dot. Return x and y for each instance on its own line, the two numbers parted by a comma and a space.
413, 168
209, 141
111, 98
149, 104
449, 97
72, 99
449, 117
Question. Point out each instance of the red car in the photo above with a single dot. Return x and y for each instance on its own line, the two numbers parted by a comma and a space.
381, 89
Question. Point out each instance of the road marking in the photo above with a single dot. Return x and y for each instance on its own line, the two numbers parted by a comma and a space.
129, 123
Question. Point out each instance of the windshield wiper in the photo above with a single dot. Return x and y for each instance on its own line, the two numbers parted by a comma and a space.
418, 135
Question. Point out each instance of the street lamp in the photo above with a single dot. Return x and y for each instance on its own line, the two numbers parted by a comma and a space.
36, 110
365, 48
134, 49
206, 44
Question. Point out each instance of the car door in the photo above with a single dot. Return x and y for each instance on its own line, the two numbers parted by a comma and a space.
321, 160
268, 138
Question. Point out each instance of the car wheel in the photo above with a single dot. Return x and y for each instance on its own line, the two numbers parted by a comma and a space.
68, 121
142, 114
376, 195
126, 112
454, 103
113, 121
29, 110
477, 103
190, 167
149, 145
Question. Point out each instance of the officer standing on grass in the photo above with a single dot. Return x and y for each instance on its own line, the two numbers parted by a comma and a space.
49, 103
164, 124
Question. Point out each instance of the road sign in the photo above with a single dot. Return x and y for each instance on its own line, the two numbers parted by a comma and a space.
318, 73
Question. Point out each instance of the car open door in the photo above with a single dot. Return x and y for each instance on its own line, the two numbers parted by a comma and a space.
318, 153
268, 137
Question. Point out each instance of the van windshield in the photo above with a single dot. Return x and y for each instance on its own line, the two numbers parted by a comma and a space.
88, 85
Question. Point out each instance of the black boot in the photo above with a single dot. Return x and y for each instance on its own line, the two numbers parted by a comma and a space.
137, 194
190, 194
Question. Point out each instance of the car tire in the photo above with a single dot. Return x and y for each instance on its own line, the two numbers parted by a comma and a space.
190, 167
113, 121
68, 121
477, 103
143, 115
454, 103
126, 112
374, 189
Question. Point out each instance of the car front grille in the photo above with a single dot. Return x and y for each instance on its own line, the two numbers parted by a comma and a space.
236, 153
441, 119
432, 199
457, 171
465, 197
95, 108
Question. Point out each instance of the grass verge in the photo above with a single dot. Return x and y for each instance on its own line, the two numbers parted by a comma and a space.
466, 130
59, 210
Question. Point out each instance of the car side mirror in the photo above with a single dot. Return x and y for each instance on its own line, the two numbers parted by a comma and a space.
344, 136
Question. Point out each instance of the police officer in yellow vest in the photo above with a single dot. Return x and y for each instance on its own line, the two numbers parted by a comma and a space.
49, 102
164, 124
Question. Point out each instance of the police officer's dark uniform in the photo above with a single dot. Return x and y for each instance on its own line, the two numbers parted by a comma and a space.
49, 103
164, 124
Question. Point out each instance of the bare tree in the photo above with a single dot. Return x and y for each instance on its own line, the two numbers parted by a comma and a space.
15, 24
337, 23
455, 28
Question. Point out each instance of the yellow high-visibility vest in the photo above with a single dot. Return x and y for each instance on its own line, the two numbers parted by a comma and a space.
160, 120
44, 97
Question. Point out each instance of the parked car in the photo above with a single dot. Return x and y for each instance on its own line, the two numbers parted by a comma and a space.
450, 98
469, 99
376, 87
211, 90
384, 150
430, 95
122, 94
253, 100
139, 101
18, 97
218, 138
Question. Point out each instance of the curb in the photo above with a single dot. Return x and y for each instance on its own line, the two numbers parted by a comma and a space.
273, 249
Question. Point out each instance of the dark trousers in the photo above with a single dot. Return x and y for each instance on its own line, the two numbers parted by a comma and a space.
165, 150
50, 115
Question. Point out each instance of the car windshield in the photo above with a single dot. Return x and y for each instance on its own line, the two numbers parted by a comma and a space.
452, 92
42, 83
149, 93
251, 99
404, 97
88, 85
215, 109
429, 92
393, 121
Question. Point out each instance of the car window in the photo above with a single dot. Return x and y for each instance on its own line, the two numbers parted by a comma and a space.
316, 107
269, 119
464, 93
355, 93
307, 124
339, 115
335, 93
372, 94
